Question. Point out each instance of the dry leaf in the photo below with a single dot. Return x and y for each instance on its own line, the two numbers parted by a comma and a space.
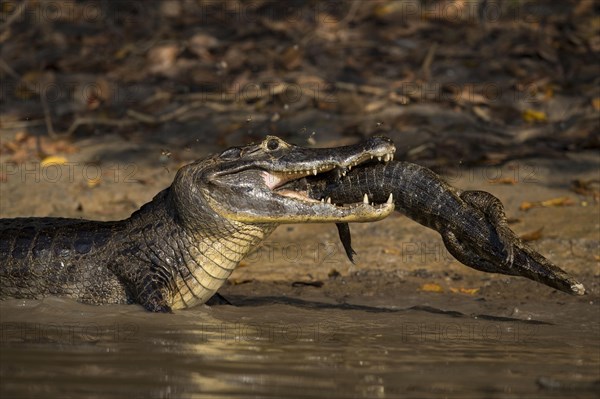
399, 98
124, 51
431, 287
526, 205
375, 106
53, 160
586, 187
462, 290
483, 112
531, 115
291, 58
239, 282
91, 183
503, 180
392, 251
384, 10
532, 235
560, 201
21, 136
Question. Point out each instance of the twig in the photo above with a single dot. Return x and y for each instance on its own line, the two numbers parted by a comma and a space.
350, 15
98, 121
21, 124
15, 15
166, 117
47, 116
6, 68
364, 89
426, 66
47, 119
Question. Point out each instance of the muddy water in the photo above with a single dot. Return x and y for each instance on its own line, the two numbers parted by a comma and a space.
296, 348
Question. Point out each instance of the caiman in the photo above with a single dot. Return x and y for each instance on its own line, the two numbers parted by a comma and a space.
472, 224
178, 249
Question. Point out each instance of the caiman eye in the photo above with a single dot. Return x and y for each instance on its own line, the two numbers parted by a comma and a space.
273, 144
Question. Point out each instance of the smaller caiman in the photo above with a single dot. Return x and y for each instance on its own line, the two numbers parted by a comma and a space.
472, 224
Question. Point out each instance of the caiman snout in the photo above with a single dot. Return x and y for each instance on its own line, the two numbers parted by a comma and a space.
251, 190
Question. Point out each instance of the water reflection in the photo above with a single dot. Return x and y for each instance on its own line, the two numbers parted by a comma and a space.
57, 348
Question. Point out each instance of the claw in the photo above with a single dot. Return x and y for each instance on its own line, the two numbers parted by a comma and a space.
506, 239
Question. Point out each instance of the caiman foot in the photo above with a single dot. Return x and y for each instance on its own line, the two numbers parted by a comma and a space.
493, 210
152, 299
157, 307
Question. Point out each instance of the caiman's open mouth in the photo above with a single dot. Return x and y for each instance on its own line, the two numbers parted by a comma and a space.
269, 190
276, 181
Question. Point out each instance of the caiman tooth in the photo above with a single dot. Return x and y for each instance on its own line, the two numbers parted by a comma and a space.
323, 200
379, 158
349, 167
386, 157
315, 172
329, 200
344, 171
390, 199
366, 199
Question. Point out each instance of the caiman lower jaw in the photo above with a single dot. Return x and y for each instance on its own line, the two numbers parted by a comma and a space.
303, 195
295, 206
315, 212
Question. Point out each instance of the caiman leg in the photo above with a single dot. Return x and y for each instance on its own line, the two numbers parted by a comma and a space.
472, 223
346, 238
493, 210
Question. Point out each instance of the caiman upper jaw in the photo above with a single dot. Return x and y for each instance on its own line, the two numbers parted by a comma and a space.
275, 179
378, 147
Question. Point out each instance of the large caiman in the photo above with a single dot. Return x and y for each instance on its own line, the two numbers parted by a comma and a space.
472, 224
177, 250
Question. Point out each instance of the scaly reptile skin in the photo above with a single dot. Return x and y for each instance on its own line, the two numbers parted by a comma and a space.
472, 224
178, 249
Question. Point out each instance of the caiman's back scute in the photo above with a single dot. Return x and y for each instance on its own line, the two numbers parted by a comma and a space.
178, 249
46, 256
